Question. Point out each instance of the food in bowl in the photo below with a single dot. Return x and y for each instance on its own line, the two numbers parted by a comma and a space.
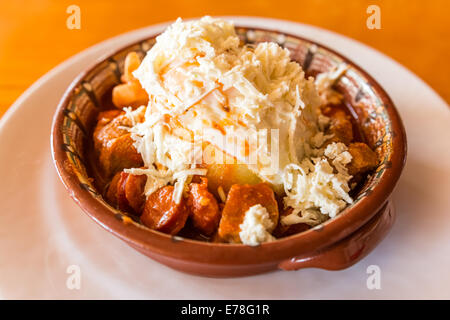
220, 141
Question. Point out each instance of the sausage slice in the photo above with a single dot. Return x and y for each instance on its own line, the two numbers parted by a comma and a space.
126, 191
203, 207
162, 213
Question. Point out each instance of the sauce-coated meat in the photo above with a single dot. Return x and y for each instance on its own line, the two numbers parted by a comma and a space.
134, 186
114, 145
162, 213
126, 191
363, 158
340, 124
111, 192
240, 198
203, 208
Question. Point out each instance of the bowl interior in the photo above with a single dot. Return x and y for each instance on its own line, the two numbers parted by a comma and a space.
91, 93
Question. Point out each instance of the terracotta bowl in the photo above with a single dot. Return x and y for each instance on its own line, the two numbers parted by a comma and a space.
336, 244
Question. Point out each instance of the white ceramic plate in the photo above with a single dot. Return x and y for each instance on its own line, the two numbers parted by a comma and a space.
43, 232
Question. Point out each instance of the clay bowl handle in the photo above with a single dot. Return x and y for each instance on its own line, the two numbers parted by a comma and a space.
351, 249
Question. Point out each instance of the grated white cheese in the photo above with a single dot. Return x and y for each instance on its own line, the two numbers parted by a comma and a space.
199, 80
325, 81
197, 70
221, 194
254, 228
315, 188
132, 115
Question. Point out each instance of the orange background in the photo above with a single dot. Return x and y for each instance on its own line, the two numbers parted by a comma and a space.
34, 37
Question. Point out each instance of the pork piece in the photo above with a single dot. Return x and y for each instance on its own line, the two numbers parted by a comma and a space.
340, 124
133, 190
240, 198
126, 191
284, 231
111, 191
215, 238
203, 208
163, 214
114, 145
363, 159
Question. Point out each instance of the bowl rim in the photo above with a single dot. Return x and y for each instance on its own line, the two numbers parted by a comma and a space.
145, 239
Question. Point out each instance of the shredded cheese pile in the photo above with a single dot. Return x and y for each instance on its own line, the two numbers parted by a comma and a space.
314, 189
204, 86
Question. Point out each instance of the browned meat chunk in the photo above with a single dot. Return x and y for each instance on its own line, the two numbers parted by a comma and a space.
203, 208
340, 124
363, 159
126, 191
111, 192
114, 145
240, 198
106, 117
216, 238
163, 214
134, 191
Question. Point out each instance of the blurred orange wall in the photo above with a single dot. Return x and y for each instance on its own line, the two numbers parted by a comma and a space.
34, 37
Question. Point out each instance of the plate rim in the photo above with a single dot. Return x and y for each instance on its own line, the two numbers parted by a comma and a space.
359, 269
382, 190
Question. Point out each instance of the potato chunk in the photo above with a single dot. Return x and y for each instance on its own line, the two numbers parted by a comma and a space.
240, 198
224, 171
226, 175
